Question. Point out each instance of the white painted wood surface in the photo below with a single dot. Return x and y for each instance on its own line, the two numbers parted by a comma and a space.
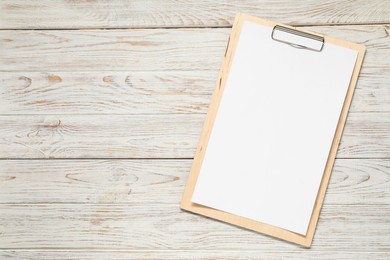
157, 226
184, 13
98, 128
188, 254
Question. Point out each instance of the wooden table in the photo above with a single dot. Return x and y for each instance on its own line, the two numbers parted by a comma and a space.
101, 108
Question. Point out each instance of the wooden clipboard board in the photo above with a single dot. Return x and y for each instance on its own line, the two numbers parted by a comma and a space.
187, 204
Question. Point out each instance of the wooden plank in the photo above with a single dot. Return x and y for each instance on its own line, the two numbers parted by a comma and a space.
151, 50
106, 93
94, 136
144, 92
157, 182
190, 254
372, 91
142, 227
366, 135
154, 13
93, 181
113, 50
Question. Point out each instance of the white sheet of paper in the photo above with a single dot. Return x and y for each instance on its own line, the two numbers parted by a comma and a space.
274, 129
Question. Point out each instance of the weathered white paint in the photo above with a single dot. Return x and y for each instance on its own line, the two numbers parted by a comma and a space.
143, 94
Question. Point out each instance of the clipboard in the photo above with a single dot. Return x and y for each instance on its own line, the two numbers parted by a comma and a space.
290, 37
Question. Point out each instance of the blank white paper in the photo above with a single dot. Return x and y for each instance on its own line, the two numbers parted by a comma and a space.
274, 129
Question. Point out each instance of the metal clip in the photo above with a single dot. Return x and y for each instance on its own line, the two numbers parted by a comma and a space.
297, 39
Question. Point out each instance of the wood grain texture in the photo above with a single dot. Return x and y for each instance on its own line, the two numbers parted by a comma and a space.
172, 92
205, 13
95, 136
165, 92
366, 135
59, 89
152, 50
113, 50
157, 182
190, 254
151, 226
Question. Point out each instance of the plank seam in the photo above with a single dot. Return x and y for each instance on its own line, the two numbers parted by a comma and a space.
181, 27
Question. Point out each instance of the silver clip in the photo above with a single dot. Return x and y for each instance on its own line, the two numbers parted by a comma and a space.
308, 41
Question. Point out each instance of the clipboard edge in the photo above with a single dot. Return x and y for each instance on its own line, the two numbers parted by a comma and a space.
361, 49
211, 114
250, 224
